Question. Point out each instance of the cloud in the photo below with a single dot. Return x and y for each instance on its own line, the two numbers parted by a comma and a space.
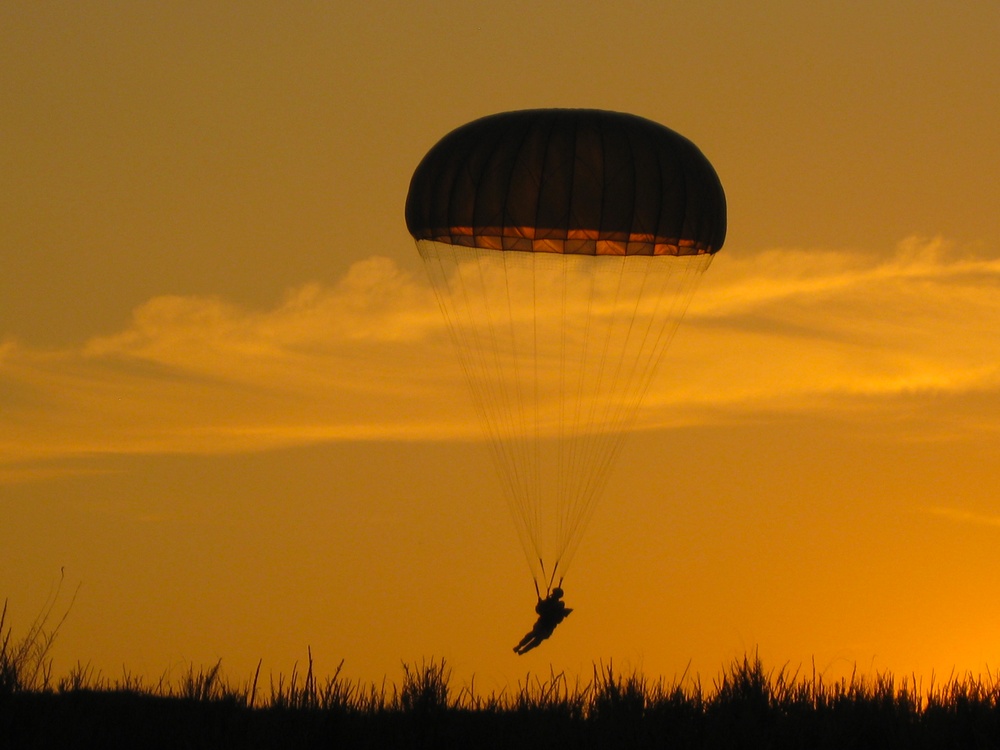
804, 325
369, 357
351, 361
375, 302
963, 516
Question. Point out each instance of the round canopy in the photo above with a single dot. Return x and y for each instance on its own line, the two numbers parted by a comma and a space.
572, 181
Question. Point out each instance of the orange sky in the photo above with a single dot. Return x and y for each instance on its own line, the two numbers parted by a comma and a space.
228, 407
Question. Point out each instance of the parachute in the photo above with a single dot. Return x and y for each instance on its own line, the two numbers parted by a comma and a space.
563, 247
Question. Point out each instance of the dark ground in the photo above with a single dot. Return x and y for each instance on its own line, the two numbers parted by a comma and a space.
120, 719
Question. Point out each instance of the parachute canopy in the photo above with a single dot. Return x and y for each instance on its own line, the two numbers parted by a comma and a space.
608, 221
568, 181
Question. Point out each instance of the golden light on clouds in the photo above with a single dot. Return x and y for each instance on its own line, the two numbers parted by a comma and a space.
196, 374
807, 324
368, 357
964, 516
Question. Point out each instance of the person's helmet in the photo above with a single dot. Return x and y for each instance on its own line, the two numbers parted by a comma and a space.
557, 592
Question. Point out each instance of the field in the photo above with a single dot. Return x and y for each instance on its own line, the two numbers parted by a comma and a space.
747, 706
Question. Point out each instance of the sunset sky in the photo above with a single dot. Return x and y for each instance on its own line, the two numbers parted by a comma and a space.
228, 406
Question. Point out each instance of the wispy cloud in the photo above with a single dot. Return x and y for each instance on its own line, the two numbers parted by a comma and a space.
369, 357
792, 326
361, 359
958, 515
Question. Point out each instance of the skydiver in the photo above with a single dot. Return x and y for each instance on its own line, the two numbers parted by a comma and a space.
551, 611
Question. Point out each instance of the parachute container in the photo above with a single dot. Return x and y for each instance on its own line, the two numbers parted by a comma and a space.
564, 247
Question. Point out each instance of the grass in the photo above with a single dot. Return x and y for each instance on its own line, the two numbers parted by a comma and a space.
747, 706
24, 663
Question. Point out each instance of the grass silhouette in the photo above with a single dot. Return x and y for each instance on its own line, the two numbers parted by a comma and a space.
747, 706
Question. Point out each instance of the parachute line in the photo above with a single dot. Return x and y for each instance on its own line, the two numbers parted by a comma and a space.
559, 352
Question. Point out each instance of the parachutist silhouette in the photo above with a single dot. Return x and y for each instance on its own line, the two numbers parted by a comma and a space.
551, 611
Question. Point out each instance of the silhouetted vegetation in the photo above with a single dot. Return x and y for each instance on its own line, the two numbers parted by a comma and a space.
747, 706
